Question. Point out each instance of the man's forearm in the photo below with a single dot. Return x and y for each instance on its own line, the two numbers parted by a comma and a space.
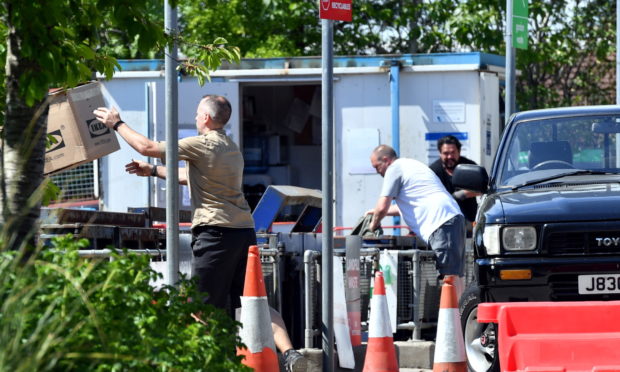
381, 210
183, 176
112, 119
138, 142
160, 172
377, 216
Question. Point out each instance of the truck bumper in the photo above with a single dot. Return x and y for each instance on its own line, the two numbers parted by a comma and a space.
552, 279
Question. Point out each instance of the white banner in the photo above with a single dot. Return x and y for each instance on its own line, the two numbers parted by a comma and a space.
389, 266
341, 321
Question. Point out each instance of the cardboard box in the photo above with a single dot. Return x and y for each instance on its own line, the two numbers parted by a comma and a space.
80, 137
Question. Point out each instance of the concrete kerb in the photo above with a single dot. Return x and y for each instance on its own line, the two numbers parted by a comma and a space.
413, 355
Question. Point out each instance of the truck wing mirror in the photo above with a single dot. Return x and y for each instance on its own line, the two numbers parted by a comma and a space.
470, 177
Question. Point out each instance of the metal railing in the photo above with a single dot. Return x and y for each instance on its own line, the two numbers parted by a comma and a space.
419, 289
368, 256
418, 280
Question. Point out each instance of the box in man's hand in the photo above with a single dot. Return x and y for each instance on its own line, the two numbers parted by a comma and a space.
79, 136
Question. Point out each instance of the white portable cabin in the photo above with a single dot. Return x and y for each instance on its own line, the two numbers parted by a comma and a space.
276, 120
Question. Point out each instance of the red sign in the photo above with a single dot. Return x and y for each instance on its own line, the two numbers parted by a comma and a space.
338, 10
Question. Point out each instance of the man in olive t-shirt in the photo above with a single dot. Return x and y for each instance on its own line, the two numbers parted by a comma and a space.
222, 224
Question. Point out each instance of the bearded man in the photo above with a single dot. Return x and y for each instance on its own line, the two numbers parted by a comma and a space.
449, 148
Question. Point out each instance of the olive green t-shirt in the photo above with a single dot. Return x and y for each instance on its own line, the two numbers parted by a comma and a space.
215, 179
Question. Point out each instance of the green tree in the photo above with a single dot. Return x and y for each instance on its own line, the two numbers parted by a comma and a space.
278, 28
260, 28
61, 43
569, 61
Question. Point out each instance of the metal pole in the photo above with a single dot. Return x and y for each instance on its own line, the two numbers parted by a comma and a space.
172, 150
395, 108
309, 280
327, 114
395, 103
149, 134
510, 66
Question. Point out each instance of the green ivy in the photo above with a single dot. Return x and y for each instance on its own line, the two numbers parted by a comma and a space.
60, 312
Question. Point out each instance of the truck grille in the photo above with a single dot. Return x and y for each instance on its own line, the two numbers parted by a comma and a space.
564, 288
572, 239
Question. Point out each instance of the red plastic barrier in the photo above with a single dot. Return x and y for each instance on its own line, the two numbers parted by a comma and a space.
163, 225
556, 336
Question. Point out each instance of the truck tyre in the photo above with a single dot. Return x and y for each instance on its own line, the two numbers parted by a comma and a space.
480, 338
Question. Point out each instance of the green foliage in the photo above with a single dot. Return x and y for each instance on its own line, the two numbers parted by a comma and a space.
209, 58
60, 44
570, 56
62, 313
570, 48
570, 59
259, 28
121, 43
64, 42
51, 192
59, 41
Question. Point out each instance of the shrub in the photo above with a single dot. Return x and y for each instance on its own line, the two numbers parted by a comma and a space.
60, 312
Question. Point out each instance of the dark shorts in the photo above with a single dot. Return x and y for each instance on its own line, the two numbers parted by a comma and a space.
448, 242
220, 256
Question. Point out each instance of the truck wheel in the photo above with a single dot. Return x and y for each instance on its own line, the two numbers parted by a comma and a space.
480, 339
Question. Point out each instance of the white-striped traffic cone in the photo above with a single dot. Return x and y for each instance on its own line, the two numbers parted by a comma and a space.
449, 344
256, 331
380, 350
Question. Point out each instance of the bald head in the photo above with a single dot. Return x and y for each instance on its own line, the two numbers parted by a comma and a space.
381, 158
218, 108
384, 150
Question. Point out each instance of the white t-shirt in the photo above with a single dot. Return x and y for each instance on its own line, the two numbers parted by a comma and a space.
422, 199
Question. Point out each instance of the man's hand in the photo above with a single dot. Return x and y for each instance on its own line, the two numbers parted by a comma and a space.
382, 209
140, 168
107, 116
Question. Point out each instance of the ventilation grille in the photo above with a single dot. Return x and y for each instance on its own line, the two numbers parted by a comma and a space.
583, 243
76, 184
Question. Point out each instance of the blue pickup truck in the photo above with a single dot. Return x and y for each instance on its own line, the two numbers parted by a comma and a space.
548, 224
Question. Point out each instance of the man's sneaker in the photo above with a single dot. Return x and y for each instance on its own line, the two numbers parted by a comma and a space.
294, 361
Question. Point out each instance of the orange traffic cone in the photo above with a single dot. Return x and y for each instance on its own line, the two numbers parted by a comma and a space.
449, 344
255, 319
380, 351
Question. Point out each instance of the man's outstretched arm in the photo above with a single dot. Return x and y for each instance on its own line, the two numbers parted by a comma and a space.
144, 169
112, 119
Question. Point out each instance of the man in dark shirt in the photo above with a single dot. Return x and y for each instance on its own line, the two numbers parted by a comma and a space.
449, 148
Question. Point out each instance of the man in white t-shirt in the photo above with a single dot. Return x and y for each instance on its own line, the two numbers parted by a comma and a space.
425, 205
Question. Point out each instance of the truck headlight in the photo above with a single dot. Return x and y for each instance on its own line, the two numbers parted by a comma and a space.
519, 238
490, 239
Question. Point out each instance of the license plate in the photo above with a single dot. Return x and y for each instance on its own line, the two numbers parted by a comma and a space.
599, 284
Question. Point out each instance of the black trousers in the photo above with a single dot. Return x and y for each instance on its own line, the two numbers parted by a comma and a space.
220, 258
